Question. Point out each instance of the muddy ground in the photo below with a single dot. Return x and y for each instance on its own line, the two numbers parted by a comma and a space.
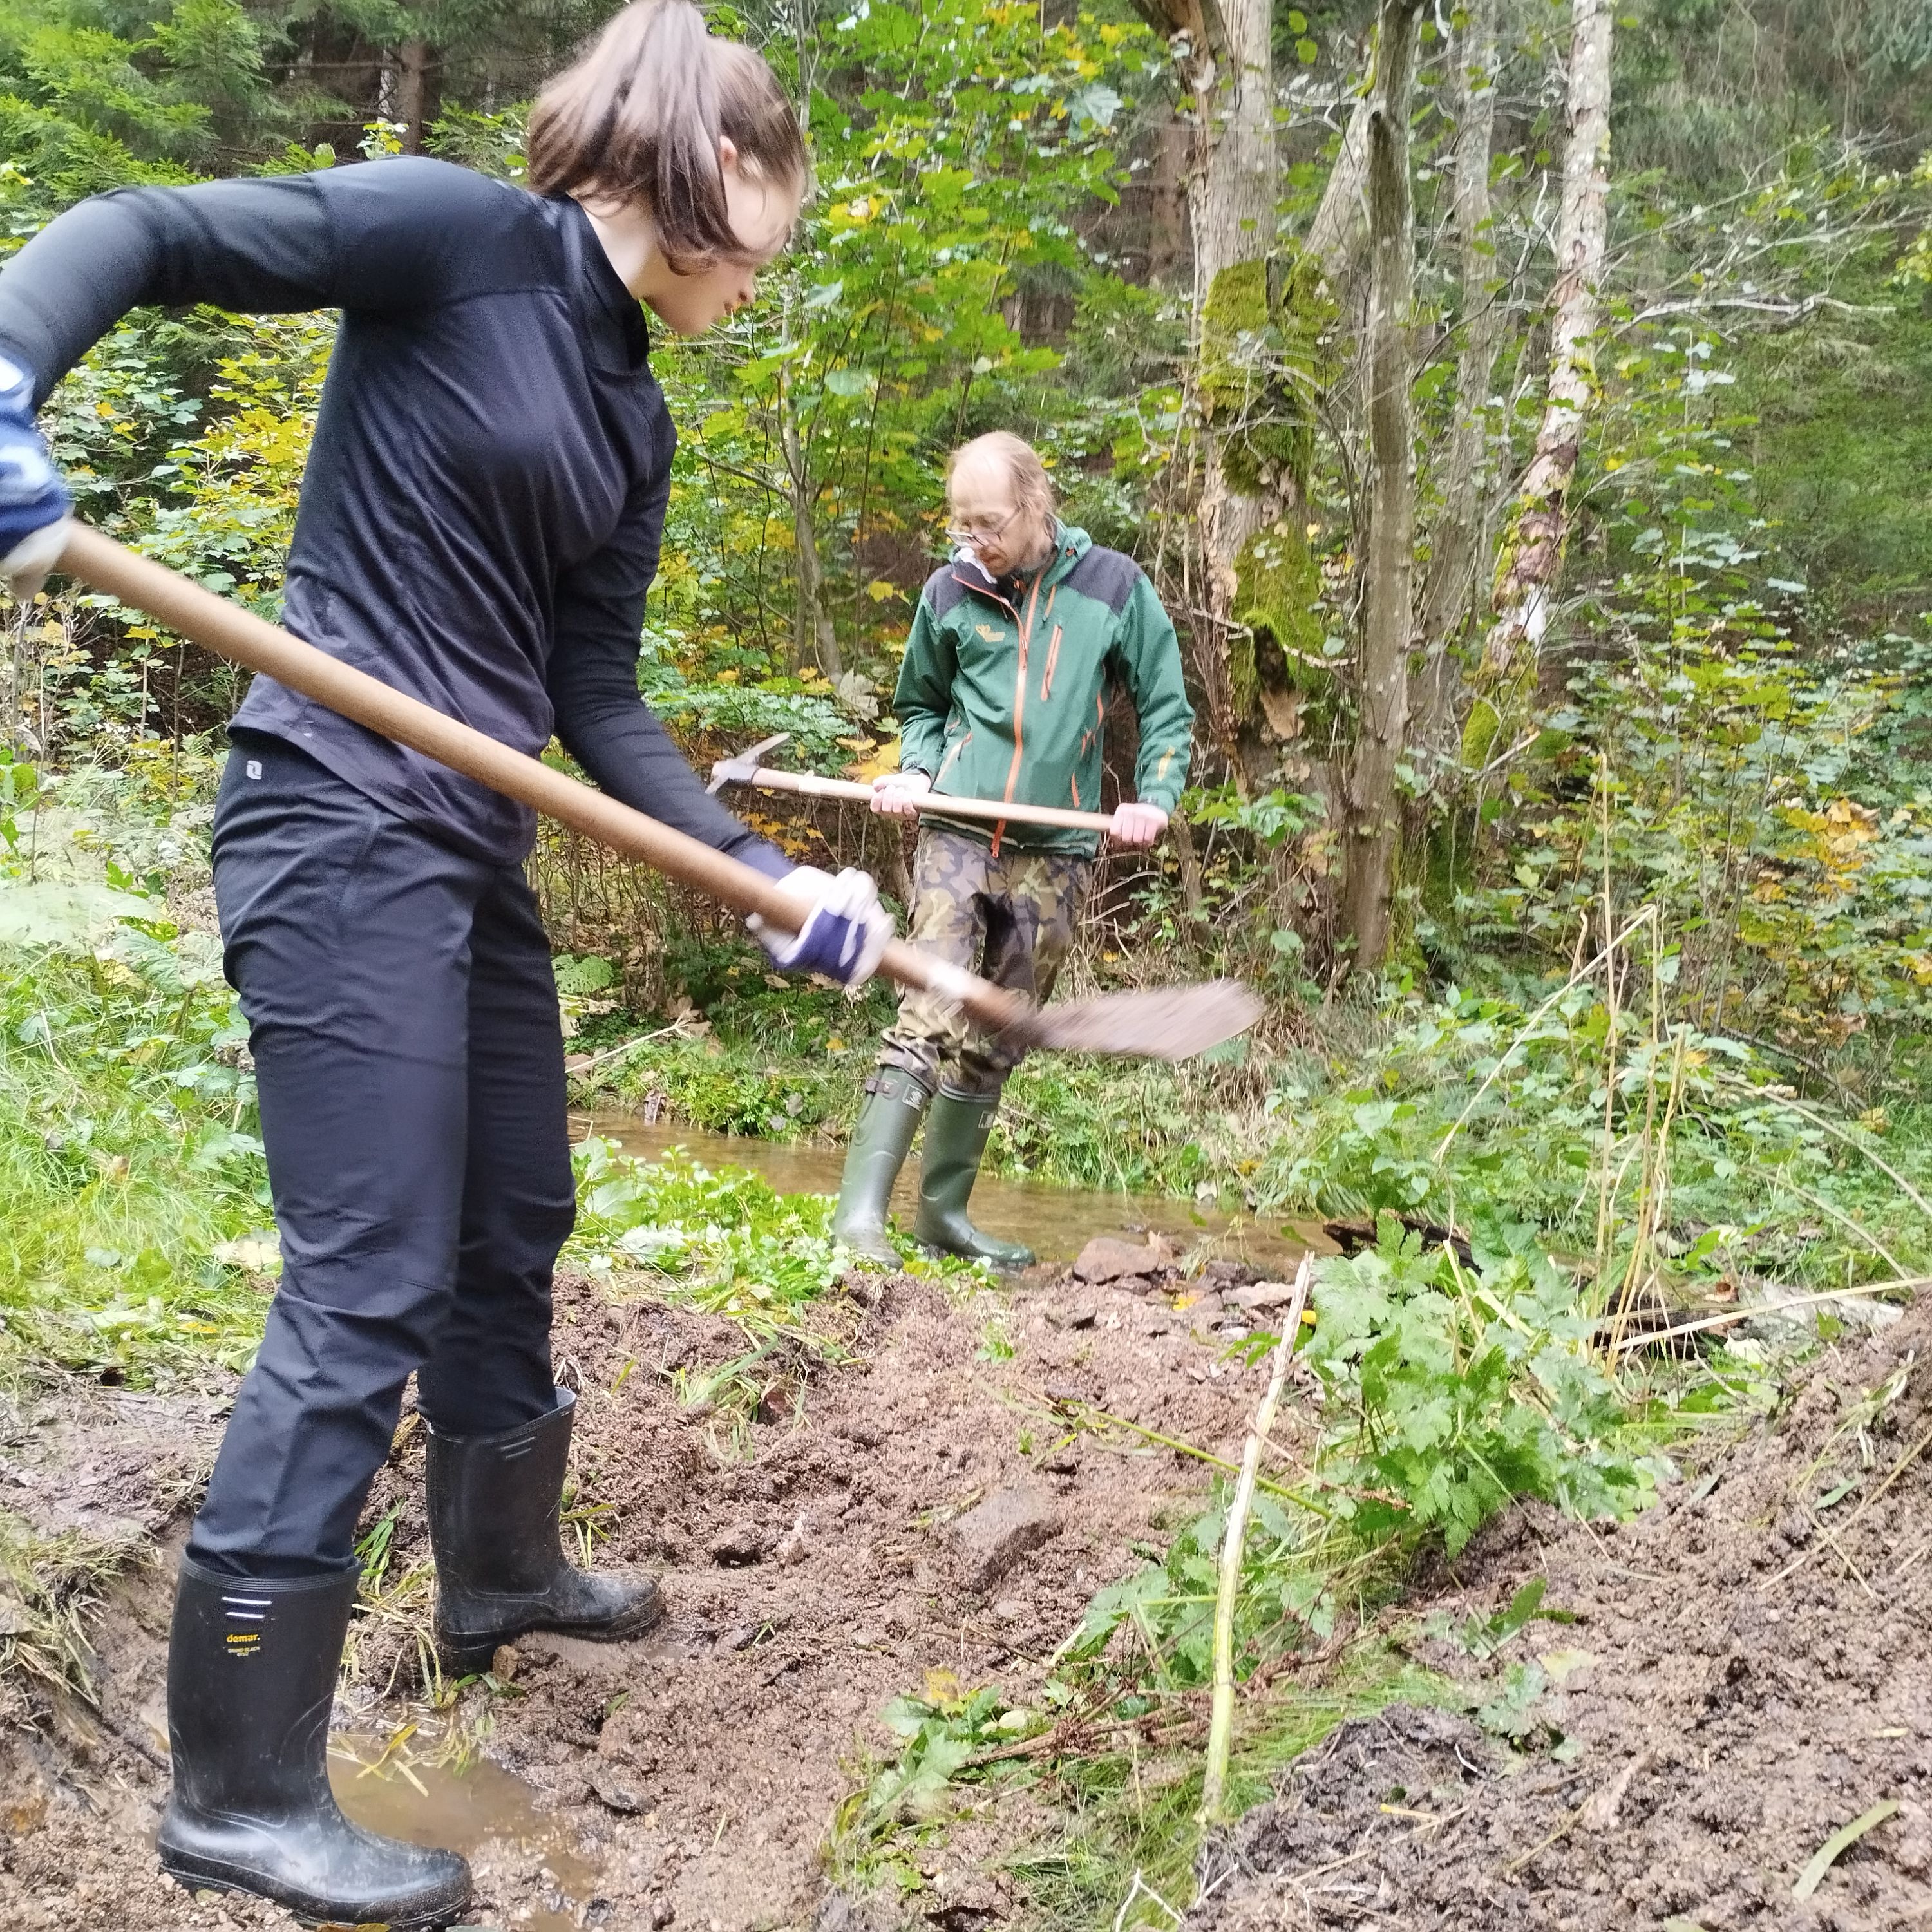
1743, 1672
820, 1554
1731, 1680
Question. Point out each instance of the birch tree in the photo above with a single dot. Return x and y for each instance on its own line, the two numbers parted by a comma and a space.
1372, 827
1531, 560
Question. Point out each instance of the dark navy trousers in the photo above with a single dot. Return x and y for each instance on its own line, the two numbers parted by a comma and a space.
403, 1017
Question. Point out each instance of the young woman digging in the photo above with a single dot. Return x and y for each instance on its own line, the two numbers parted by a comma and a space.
479, 524
1001, 695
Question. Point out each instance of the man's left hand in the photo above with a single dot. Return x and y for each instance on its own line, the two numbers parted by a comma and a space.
1135, 825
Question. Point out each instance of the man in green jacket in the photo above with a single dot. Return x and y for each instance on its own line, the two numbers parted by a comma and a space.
1002, 695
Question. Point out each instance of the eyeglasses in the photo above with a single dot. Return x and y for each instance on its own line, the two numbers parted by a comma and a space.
981, 532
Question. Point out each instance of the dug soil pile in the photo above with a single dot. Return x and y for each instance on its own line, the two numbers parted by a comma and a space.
828, 1535
1739, 1675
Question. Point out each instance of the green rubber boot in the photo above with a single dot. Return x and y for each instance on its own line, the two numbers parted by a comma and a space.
881, 1138
956, 1141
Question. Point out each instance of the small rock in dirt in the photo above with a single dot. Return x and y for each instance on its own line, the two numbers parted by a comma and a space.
1010, 1609
743, 1543
1256, 1296
1104, 1259
993, 1536
503, 1661
615, 1789
776, 1404
1225, 1274
793, 1545
1076, 1315
837, 1913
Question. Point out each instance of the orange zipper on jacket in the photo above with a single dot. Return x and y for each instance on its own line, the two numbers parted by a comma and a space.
1052, 657
1019, 707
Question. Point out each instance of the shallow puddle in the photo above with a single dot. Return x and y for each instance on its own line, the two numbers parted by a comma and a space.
1056, 1222
404, 1796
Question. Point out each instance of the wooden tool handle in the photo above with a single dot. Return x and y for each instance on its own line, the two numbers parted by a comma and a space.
245, 639
942, 806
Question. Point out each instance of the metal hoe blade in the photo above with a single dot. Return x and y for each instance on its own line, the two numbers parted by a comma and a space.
1161, 1023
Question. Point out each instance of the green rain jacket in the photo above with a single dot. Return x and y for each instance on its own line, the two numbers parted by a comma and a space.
1004, 699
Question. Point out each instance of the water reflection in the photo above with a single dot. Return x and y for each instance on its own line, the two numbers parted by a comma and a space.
383, 1788
1056, 1222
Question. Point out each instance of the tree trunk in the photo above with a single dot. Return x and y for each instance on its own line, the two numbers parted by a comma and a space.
1373, 816
812, 635
1457, 538
1167, 225
1232, 210
1226, 55
1340, 232
412, 93
1532, 555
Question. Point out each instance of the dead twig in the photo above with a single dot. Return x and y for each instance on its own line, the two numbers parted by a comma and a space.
1221, 1727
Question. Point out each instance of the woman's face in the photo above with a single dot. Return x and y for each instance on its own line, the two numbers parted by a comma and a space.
762, 216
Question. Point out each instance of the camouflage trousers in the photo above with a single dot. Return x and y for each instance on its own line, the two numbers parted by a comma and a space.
1009, 919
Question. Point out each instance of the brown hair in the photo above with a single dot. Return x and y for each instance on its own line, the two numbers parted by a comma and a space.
639, 114
1032, 488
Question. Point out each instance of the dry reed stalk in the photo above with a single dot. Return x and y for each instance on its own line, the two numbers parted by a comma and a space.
1221, 1722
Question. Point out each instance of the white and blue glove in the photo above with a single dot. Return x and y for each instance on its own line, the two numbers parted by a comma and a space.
845, 934
35, 509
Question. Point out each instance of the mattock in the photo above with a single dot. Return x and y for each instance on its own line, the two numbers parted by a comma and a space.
1166, 1023
746, 769
743, 769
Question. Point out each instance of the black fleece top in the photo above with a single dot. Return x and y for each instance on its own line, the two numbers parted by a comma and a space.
484, 498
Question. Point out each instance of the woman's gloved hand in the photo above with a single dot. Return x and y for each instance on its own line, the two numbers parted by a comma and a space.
845, 934
35, 509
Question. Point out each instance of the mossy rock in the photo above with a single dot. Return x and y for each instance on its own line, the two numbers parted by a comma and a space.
1263, 357
1277, 582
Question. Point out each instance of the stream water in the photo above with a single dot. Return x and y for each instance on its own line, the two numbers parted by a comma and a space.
1056, 1222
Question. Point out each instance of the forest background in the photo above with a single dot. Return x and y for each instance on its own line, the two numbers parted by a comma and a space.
1519, 409
1522, 409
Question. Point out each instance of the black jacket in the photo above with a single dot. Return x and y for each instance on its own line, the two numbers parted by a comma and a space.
482, 512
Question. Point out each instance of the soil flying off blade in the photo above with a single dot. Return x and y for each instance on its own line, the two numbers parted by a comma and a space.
1161, 1023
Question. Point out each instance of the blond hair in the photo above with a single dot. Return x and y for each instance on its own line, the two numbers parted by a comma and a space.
1032, 488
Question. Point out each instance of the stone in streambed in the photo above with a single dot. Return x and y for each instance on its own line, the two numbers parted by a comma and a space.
1104, 1260
993, 1536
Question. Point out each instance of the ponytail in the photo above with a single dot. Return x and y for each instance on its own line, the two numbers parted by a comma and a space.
639, 117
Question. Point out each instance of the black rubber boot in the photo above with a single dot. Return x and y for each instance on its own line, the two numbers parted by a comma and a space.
881, 1138
956, 1131
251, 1677
499, 1565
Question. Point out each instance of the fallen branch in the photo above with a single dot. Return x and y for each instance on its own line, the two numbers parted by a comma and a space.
1221, 1724
1734, 1316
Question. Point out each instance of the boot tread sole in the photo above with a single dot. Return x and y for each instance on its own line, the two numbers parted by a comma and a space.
193, 1877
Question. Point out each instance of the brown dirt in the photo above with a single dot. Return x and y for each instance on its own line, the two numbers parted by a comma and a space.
1755, 1674
690, 1778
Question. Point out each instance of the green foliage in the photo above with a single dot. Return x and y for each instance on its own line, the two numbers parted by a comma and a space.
1462, 1393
